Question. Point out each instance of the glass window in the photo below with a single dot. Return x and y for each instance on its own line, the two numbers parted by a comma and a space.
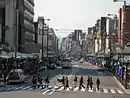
14, 74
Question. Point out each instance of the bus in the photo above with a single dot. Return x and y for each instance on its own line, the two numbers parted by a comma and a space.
66, 63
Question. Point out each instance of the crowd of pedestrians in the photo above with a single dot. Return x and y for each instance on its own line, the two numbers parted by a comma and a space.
38, 82
89, 82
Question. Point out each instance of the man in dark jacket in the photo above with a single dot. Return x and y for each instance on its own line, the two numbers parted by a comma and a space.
98, 83
81, 83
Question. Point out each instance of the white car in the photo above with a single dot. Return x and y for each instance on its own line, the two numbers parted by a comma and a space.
16, 75
82, 60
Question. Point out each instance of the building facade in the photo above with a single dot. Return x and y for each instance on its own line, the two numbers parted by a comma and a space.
25, 22
124, 25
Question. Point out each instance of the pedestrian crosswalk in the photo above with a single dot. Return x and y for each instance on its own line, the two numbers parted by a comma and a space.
52, 89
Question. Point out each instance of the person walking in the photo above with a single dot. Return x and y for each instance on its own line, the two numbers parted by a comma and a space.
88, 82
98, 83
63, 81
47, 81
81, 82
38, 80
75, 80
91, 83
66, 83
34, 82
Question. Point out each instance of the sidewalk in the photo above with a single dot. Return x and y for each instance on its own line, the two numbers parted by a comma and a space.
117, 81
119, 84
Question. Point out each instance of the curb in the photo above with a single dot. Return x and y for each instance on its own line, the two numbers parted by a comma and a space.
119, 84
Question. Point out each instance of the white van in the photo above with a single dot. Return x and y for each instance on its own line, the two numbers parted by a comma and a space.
66, 63
16, 75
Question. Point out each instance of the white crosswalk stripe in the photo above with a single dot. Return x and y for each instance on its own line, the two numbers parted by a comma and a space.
26, 88
45, 91
83, 89
76, 89
105, 90
30, 89
120, 92
56, 87
61, 88
2, 88
52, 89
11, 88
90, 90
112, 91
52, 92
19, 87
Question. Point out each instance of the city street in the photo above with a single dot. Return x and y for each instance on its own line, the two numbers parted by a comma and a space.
108, 87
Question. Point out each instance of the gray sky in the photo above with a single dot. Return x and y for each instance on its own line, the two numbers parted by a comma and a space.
72, 14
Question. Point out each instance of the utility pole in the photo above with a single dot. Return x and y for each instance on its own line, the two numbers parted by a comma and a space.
16, 32
42, 39
47, 45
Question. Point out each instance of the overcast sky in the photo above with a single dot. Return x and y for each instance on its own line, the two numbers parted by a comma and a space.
72, 14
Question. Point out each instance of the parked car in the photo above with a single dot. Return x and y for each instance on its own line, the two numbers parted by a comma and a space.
16, 75
51, 66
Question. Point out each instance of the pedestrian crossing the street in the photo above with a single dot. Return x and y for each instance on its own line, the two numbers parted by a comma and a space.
52, 89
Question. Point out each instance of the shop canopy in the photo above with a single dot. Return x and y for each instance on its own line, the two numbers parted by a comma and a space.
126, 51
19, 55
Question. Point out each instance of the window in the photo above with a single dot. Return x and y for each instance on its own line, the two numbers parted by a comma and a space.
14, 74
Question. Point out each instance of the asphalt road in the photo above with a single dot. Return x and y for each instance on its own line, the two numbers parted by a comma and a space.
108, 87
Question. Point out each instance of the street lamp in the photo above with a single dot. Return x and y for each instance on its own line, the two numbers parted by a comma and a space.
43, 22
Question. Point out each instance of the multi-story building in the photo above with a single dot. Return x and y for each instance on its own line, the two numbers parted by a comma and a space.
25, 22
49, 38
36, 32
124, 25
90, 41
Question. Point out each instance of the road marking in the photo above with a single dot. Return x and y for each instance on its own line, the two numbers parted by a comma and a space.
50, 87
120, 85
112, 91
105, 90
11, 88
76, 89
98, 91
89, 90
2, 88
68, 89
45, 92
56, 87
120, 92
26, 87
31, 88
83, 89
61, 88
52, 92
19, 87
71, 73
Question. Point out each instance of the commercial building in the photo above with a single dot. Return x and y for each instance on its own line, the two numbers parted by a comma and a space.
124, 25
90, 41
49, 38
25, 23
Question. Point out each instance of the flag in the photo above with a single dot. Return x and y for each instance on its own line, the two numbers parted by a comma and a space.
118, 0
